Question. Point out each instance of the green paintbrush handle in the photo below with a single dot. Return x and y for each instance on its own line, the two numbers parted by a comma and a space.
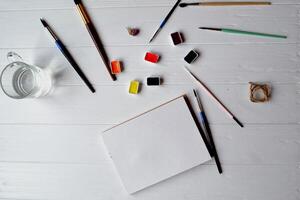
226, 30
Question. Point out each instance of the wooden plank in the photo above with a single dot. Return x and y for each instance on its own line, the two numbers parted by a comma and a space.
274, 63
78, 144
59, 181
26, 31
50, 148
58, 4
113, 104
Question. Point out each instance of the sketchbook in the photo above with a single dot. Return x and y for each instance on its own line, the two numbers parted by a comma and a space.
155, 145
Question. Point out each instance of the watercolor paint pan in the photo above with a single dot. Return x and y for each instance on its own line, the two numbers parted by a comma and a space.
151, 57
134, 87
115, 67
177, 38
191, 56
153, 81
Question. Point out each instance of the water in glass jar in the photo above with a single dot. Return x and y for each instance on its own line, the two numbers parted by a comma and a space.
31, 81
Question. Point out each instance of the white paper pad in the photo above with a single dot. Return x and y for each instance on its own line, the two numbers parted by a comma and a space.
155, 145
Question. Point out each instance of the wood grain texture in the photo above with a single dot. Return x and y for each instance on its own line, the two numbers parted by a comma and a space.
65, 4
76, 105
47, 143
274, 19
278, 63
62, 181
51, 148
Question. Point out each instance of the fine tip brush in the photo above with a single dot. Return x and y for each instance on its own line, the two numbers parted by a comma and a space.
235, 31
182, 5
214, 97
95, 36
229, 3
162, 24
67, 55
207, 131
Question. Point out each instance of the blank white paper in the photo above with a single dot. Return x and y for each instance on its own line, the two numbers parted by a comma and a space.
156, 145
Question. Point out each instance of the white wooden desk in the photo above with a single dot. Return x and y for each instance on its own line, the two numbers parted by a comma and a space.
50, 148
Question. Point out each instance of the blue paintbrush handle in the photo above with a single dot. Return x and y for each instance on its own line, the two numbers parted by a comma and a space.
202, 117
162, 24
59, 45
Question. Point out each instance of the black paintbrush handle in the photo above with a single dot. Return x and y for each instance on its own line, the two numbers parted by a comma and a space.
206, 142
212, 143
71, 60
165, 20
98, 43
170, 13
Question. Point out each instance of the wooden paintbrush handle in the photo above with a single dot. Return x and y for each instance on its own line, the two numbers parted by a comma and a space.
100, 48
233, 3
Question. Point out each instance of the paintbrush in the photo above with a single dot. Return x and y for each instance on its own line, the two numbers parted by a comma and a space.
207, 131
165, 21
241, 32
94, 35
67, 55
214, 97
229, 3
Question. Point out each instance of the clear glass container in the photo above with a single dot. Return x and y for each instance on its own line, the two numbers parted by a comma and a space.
20, 80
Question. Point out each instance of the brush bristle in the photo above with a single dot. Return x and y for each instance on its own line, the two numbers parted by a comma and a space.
44, 22
77, 1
